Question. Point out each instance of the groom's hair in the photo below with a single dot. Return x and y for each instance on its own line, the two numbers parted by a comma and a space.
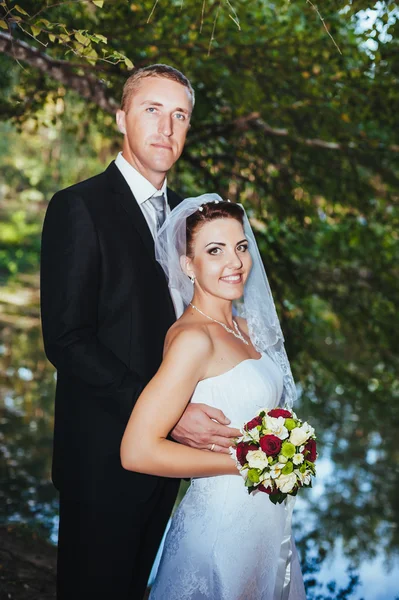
158, 70
209, 212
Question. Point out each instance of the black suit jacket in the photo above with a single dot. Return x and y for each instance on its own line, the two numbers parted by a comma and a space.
105, 311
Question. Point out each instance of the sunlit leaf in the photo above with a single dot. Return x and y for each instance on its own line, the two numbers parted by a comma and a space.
128, 63
101, 38
82, 39
45, 22
21, 10
64, 38
35, 30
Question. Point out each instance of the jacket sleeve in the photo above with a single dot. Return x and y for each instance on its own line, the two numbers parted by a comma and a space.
70, 279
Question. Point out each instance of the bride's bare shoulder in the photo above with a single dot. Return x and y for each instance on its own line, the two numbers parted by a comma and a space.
192, 337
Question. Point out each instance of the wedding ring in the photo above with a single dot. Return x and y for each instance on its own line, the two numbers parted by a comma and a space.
212, 447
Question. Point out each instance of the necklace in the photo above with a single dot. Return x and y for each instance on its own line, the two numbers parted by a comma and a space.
237, 333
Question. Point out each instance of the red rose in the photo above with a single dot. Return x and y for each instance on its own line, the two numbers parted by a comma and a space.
253, 423
270, 444
310, 451
262, 488
280, 412
242, 450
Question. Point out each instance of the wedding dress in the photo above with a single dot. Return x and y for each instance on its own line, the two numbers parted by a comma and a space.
224, 544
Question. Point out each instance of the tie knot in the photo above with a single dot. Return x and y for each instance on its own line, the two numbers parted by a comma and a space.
158, 202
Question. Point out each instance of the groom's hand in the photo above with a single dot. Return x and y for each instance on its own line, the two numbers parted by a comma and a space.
202, 426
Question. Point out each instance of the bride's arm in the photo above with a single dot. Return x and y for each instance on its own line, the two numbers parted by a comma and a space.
144, 447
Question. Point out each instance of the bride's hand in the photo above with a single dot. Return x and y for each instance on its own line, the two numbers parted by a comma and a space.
205, 427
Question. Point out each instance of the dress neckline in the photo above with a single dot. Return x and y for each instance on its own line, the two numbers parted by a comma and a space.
263, 354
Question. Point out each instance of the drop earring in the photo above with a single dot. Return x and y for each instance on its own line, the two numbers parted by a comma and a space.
192, 279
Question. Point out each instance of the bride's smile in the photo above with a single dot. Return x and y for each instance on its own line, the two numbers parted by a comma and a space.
219, 260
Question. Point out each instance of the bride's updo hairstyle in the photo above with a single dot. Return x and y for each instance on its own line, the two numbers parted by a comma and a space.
210, 212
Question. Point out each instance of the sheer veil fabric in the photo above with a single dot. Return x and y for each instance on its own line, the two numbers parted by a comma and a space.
256, 306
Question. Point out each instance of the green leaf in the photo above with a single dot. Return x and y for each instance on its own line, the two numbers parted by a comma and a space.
128, 63
3, 24
100, 38
90, 55
51, 37
277, 498
45, 22
99, 3
35, 30
21, 10
82, 39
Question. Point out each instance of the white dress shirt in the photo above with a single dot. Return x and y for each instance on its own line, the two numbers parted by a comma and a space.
142, 190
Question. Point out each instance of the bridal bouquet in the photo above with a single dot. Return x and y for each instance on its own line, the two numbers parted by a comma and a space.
276, 454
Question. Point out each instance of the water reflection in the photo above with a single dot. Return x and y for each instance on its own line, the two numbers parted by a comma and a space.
348, 521
26, 417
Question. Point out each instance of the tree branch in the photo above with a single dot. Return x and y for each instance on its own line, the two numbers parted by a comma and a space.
254, 120
87, 86
93, 90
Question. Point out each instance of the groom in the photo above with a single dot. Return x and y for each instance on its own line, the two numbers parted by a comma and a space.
105, 310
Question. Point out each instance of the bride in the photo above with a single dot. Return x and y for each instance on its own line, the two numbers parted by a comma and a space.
223, 544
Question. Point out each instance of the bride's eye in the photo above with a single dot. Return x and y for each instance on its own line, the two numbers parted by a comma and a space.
242, 247
214, 251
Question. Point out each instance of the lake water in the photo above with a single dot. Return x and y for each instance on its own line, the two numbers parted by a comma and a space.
346, 525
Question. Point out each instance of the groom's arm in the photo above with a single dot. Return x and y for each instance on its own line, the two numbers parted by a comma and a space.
70, 279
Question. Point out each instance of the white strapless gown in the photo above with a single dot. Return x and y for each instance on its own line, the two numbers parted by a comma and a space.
224, 544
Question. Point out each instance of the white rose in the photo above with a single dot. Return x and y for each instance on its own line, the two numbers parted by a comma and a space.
298, 436
276, 426
257, 459
285, 483
297, 459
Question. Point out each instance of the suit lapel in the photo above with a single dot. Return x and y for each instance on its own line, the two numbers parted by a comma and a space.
124, 195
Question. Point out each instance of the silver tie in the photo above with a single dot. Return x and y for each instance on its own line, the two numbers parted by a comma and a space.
159, 204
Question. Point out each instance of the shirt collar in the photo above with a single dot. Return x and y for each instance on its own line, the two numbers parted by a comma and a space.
141, 188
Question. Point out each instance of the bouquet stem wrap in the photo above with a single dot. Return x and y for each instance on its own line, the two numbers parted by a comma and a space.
283, 579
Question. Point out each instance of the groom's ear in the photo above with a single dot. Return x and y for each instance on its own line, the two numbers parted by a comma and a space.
121, 121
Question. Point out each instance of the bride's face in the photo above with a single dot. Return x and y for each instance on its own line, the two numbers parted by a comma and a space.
221, 261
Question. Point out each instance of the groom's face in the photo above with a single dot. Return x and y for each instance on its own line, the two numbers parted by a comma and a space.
155, 125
